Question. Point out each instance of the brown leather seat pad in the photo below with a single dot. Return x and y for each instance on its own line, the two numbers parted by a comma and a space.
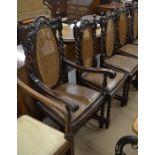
73, 93
130, 49
124, 63
97, 79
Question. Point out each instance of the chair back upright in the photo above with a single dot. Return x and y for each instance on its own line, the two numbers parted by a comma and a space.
85, 43
107, 41
134, 21
43, 50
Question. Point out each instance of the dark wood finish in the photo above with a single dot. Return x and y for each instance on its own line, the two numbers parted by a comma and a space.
127, 140
104, 57
51, 34
69, 40
122, 142
79, 33
76, 9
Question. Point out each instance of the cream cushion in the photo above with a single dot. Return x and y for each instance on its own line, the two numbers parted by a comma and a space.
36, 138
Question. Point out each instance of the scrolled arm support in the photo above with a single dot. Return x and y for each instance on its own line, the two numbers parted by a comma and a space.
107, 72
72, 106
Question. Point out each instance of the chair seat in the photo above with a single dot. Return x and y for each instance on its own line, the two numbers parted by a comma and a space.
97, 79
80, 95
130, 49
36, 138
124, 63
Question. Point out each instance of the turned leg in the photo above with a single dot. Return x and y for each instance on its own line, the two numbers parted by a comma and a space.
125, 93
107, 122
102, 119
136, 81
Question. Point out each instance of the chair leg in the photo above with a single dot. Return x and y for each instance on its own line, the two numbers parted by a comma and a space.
125, 92
71, 149
136, 81
102, 119
107, 121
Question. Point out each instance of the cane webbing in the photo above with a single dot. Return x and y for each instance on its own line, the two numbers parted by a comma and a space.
122, 28
47, 57
135, 25
110, 37
87, 48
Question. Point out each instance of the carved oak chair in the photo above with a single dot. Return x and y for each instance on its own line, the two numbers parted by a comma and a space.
45, 140
85, 45
45, 60
110, 57
127, 31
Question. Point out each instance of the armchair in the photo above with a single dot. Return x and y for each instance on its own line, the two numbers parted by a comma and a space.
107, 83
48, 73
28, 124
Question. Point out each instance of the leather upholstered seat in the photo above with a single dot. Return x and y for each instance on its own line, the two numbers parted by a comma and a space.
124, 63
83, 96
74, 104
36, 138
98, 80
130, 49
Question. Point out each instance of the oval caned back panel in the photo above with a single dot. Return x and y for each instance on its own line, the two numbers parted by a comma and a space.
135, 24
110, 37
87, 48
47, 55
122, 29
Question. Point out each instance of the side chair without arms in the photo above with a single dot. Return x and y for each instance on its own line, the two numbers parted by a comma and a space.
56, 142
48, 73
109, 56
126, 21
85, 49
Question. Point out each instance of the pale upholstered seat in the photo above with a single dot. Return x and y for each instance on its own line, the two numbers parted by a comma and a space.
36, 138
124, 63
130, 49
97, 79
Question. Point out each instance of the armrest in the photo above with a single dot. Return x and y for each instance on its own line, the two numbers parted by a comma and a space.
105, 71
38, 96
72, 106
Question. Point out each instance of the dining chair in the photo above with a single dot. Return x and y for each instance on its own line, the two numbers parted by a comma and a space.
126, 25
85, 50
48, 73
110, 57
45, 140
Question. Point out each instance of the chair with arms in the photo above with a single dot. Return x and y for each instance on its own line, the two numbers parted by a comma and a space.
85, 42
44, 53
45, 140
